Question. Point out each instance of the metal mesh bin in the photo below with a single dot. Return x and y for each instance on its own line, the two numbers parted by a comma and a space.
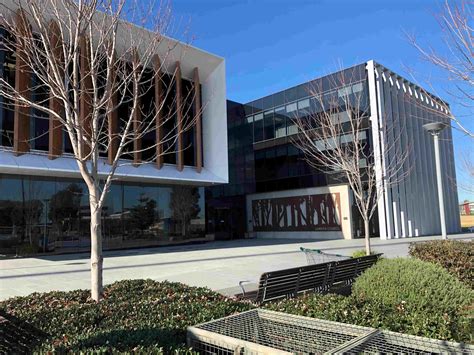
266, 332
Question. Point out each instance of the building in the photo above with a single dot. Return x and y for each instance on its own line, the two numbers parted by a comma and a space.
43, 200
466, 210
274, 193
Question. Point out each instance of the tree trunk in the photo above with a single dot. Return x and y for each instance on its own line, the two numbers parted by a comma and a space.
367, 237
96, 253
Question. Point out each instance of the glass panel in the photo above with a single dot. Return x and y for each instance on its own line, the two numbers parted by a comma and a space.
269, 128
186, 210
148, 116
344, 92
258, 127
69, 214
7, 70
39, 118
357, 87
304, 110
340, 117
188, 117
169, 119
280, 122
11, 216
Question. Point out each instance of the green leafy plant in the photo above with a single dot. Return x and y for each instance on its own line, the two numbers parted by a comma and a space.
419, 283
136, 315
360, 253
403, 295
456, 256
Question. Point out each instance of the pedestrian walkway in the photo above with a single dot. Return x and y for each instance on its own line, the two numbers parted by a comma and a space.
218, 265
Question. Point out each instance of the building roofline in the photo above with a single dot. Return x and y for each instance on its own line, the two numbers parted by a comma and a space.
376, 64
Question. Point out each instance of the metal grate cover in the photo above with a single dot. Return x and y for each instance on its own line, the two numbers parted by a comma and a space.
267, 332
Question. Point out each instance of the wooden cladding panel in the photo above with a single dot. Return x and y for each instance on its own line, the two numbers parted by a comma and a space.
21, 128
179, 118
198, 117
55, 146
158, 111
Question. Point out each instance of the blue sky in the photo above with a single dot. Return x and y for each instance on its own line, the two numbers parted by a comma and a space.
272, 45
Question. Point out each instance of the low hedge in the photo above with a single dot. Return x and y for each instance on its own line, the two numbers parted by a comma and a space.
431, 300
403, 295
140, 315
361, 252
421, 284
456, 256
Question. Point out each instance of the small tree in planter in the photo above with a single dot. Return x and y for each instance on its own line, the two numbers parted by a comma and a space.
97, 67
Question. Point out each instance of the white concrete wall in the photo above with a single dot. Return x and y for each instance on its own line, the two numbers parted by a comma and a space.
345, 218
214, 121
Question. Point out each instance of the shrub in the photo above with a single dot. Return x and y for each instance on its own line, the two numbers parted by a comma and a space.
139, 315
454, 255
413, 281
403, 295
360, 253
425, 295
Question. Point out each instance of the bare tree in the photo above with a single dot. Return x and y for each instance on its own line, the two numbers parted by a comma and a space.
455, 56
335, 139
184, 203
98, 68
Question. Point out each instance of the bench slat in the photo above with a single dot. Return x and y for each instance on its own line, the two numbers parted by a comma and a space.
291, 282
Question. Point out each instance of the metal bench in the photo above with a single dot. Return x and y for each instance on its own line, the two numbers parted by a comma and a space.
319, 278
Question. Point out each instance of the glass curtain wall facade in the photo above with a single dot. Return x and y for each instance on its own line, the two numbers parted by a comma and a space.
47, 214
225, 204
262, 157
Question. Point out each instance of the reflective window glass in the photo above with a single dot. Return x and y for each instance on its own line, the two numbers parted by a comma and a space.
258, 127
280, 122
269, 128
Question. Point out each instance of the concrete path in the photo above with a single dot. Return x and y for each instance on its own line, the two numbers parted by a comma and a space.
217, 265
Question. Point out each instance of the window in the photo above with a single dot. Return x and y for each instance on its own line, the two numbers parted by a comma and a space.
268, 126
357, 87
280, 122
147, 102
189, 144
340, 117
169, 119
258, 128
39, 119
291, 111
304, 110
7, 71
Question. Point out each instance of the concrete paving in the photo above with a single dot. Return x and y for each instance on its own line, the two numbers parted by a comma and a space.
218, 265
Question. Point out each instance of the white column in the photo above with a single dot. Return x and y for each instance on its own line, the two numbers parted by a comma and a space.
374, 119
439, 181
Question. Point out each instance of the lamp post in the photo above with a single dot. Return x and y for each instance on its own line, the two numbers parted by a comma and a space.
435, 129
